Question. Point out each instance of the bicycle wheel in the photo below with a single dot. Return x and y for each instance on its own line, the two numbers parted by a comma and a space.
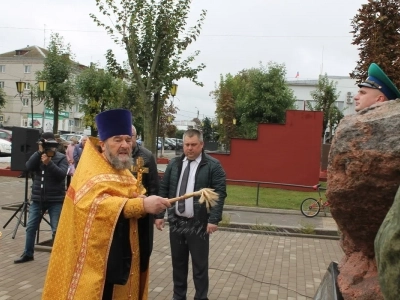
310, 207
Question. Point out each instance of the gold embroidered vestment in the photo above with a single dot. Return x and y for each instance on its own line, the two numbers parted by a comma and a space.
98, 194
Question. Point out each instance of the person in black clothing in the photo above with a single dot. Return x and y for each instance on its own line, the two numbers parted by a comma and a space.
47, 194
190, 223
151, 183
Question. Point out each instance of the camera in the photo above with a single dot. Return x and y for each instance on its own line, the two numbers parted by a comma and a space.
49, 147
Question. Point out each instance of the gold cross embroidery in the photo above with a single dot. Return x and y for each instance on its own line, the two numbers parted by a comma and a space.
139, 169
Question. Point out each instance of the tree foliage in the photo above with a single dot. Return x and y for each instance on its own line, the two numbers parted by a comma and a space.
153, 34
179, 134
100, 91
376, 32
3, 100
325, 96
166, 128
225, 111
207, 129
57, 71
253, 96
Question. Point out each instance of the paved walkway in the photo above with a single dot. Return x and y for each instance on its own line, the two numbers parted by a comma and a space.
243, 265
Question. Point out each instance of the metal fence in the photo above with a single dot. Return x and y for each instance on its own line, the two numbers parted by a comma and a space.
259, 183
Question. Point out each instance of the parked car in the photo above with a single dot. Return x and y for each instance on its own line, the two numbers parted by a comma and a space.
168, 145
171, 143
5, 147
68, 136
6, 134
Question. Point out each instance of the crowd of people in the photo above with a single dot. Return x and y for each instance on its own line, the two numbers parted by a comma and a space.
105, 221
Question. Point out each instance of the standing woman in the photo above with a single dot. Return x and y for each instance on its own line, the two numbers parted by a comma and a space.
70, 158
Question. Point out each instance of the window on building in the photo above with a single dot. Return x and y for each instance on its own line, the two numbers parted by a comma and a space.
299, 104
25, 101
2, 84
24, 123
2, 68
27, 68
27, 86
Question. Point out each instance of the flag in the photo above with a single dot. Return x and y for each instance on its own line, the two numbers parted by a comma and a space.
297, 75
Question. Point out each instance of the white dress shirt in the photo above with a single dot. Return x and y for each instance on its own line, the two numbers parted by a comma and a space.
189, 208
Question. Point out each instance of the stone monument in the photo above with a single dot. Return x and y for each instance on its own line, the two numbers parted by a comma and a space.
363, 177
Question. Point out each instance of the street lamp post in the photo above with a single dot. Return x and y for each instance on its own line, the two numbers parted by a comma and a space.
173, 91
21, 87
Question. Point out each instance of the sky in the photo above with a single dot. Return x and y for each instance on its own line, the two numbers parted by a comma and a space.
307, 36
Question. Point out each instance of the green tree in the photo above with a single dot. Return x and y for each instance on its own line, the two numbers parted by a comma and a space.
152, 32
376, 32
267, 96
101, 91
171, 131
166, 119
57, 71
325, 96
179, 134
253, 96
2, 98
225, 112
207, 129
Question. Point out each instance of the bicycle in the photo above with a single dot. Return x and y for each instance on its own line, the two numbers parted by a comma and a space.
310, 207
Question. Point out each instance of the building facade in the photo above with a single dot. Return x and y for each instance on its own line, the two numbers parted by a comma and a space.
346, 87
22, 65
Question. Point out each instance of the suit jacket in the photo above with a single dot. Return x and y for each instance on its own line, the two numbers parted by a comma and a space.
209, 174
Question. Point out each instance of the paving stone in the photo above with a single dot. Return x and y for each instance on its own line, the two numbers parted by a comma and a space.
242, 265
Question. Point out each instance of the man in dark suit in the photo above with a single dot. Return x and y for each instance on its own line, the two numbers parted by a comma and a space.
151, 183
190, 222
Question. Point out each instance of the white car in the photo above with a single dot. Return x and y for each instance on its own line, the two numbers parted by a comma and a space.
68, 136
5, 147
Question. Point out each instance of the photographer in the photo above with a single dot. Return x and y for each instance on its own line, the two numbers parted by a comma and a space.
48, 190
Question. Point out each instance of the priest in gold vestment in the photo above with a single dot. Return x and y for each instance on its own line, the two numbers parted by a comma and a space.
96, 250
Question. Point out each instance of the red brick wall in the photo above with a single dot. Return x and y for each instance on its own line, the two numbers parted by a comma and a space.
283, 153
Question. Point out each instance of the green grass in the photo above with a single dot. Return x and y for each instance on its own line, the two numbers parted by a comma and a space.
307, 228
268, 197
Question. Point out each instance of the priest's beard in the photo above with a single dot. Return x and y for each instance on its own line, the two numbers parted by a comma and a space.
116, 162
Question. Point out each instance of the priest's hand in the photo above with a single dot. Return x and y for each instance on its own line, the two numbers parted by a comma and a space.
159, 224
155, 204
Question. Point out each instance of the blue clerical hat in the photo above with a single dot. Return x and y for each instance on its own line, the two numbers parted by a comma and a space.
377, 79
114, 122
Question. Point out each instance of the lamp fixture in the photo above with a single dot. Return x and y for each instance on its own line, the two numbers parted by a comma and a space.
20, 86
174, 89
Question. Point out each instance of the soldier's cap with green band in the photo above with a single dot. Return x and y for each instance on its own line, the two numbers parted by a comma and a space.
377, 79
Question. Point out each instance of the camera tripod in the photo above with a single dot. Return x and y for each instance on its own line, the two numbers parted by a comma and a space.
22, 210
